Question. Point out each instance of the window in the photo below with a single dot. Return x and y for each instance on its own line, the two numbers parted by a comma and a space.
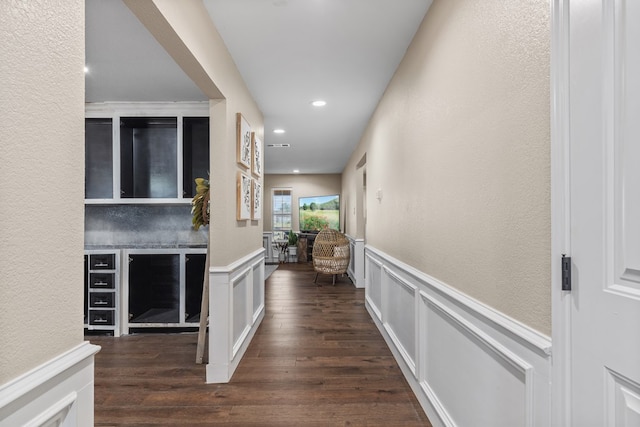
281, 207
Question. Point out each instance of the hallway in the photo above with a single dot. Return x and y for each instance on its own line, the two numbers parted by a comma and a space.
316, 360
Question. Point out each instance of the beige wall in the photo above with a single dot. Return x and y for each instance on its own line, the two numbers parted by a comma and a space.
41, 181
301, 186
187, 33
459, 146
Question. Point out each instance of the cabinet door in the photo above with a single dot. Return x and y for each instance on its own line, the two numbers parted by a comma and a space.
148, 157
195, 153
154, 288
194, 272
86, 288
98, 157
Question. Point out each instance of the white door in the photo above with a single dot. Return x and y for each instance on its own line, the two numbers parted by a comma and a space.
605, 212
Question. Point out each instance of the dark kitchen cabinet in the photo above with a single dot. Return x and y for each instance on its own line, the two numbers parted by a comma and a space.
164, 288
194, 276
154, 288
159, 156
101, 291
98, 156
195, 153
148, 154
86, 288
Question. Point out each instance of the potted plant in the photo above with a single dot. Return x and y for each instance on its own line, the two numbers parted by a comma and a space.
293, 244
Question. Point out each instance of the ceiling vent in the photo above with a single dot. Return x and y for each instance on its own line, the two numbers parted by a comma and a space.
279, 145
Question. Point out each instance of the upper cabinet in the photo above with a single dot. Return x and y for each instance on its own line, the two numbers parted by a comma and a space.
148, 157
98, 158
195, 153
145, 153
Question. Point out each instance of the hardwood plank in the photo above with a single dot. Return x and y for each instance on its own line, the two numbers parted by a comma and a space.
316, 360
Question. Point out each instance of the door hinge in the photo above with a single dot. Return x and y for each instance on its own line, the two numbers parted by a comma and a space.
566, 273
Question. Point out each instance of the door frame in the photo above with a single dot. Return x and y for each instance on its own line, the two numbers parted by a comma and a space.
560, 212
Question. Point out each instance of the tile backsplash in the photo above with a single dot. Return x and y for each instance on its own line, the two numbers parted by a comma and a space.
141, 226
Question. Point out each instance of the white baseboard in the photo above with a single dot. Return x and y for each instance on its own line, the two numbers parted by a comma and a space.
467, 363
236, 307
57, 393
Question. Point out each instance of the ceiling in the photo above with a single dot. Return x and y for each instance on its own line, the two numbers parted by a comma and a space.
289, 53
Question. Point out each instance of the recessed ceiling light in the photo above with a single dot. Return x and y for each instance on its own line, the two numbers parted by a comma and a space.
296, 171
86, 69
319, 103
278, 131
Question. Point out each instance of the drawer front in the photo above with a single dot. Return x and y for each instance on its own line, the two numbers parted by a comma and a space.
101, 317
102, 299
102, 262
101, 280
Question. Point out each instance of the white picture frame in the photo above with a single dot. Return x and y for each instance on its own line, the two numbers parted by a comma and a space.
256, 198
243, 141
243, 197
256, 155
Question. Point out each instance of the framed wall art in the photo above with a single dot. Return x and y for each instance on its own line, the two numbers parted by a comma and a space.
243, 141
243, 197
256, 155
256, 192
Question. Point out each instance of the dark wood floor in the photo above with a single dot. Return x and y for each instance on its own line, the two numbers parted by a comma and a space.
316, 360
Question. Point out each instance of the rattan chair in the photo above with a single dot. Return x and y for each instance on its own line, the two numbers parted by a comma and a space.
331, 253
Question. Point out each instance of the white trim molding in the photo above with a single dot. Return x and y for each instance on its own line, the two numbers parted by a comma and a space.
236, 307
560, 211
147, 109
467, 363
356, 263
34, 399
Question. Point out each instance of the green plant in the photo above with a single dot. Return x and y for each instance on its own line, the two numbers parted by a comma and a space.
293, 238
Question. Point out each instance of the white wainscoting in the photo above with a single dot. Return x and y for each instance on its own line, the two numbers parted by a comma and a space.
236, 307
267, 243
468, 364
356, 263
57, 393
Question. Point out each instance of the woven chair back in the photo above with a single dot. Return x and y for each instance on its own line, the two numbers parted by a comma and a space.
331, 253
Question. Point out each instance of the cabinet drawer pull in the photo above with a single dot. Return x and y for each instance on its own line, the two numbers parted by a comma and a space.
101, 264
100, 321
100, 283
101, 303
